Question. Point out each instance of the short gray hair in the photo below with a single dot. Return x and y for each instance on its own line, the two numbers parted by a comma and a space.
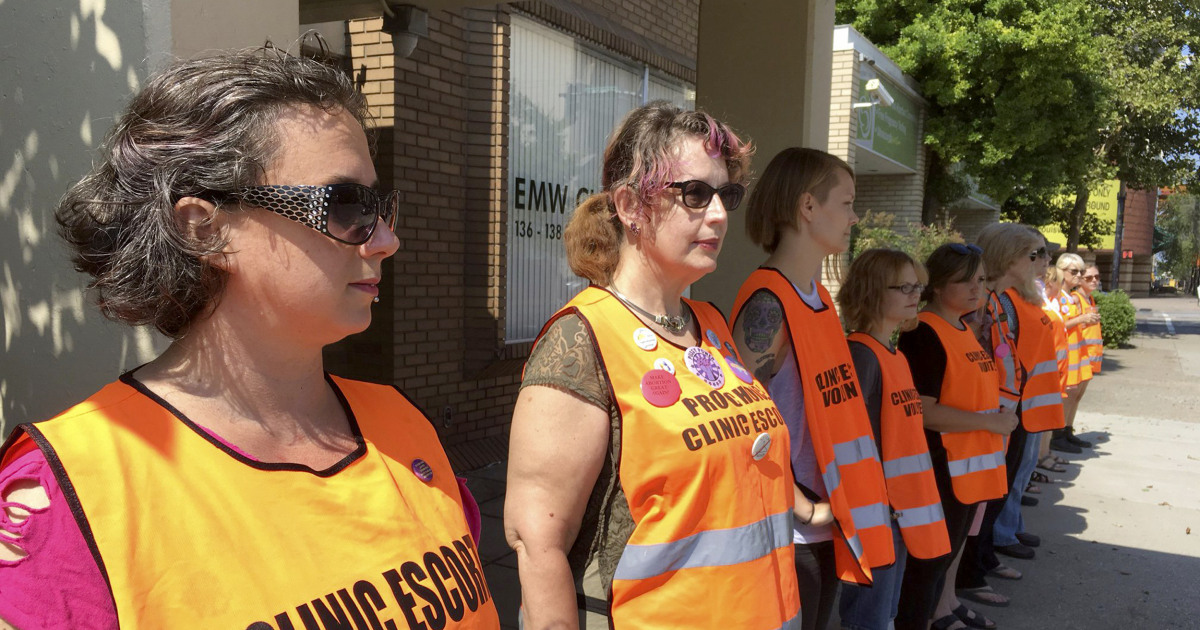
200, 126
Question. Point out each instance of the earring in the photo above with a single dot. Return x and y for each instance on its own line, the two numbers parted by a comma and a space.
633, 227
376, 299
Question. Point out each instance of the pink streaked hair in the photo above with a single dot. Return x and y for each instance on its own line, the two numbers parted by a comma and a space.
641, 154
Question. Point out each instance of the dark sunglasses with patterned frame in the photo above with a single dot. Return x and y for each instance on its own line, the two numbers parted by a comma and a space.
345, 212
697, 194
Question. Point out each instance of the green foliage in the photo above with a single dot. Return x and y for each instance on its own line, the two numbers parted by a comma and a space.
1179, 219
1117, 317
876, 229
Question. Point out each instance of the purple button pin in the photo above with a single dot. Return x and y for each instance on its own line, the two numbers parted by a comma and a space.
422, 470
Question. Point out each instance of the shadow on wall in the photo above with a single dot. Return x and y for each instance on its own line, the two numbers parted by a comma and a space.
64, 72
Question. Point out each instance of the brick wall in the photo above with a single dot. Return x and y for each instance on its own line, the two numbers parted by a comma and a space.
1139, 221
843, 123
970, 220
442, 126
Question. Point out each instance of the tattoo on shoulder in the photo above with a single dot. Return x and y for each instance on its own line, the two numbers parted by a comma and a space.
761, 321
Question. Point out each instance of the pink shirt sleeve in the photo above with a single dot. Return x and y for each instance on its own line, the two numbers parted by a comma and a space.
56, 585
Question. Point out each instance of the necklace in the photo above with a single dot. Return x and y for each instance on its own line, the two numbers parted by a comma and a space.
672, 323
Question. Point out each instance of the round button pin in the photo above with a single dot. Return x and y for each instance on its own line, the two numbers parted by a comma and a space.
664, 365
713, 338
702, 363
729, 348
739, 370
1002, 351
422, 470
762, 444
645, 339
660, 388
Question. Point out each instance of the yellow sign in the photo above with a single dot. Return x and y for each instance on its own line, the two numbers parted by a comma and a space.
1102, 204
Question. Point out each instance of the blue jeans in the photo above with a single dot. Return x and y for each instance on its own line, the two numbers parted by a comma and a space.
1009, 522
873, 607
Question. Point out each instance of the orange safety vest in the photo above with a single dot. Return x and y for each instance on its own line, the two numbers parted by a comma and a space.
1054, 311
704, 465
1076, 354
1093, 337
837, 421
1029, 336
971, 383
190, 534
907, 469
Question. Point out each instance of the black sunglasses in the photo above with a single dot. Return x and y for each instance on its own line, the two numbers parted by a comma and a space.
697, 194
1037, 253
343, 212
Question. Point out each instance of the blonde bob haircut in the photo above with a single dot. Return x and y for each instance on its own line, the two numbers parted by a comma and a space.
866, 285
775, 201
1055, 275
1004, 244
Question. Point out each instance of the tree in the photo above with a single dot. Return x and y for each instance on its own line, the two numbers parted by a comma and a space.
1011, 90
1037, 98
1179, 219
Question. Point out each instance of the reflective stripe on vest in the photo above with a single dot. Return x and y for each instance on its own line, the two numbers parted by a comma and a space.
1011, 377
907, 468
836, 419
975, 458
190, 533
1058, 327
710, 568
714, 548
1041, 392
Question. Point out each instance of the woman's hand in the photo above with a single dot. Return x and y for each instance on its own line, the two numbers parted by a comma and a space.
1002, 422
556, 451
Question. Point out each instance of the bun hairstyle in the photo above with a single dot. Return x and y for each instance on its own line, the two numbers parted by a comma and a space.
640, 157
776, 197
1004, 244
866, 285
951, 262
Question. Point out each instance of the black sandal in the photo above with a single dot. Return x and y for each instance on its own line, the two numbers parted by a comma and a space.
947, 623
1041, 477
973, 619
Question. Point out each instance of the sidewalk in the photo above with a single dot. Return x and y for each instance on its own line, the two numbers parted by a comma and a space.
1117, 547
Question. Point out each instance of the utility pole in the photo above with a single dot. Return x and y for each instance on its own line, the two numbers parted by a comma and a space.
1115, 282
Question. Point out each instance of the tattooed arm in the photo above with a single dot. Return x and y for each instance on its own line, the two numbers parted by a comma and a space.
760, 335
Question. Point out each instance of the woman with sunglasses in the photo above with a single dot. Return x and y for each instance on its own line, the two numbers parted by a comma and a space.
231, 482
1075, 319
1021, 340
965, 426
640, 446
880, 296
786, 328
1093, 336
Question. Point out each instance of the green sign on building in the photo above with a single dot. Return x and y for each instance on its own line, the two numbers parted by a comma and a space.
890, 131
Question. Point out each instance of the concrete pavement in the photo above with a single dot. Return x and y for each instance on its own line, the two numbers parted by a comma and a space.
1117, 547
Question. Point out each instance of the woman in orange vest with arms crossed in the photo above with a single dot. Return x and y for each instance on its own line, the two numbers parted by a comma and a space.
785, 325
1092, 333
964, 424
881, 292
1077, 318
231, 482
638, 440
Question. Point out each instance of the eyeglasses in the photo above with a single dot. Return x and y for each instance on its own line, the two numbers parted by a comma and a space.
965, 249
1092, 277
1038, 253
908, 288
1073, 272
343, 212
697, 194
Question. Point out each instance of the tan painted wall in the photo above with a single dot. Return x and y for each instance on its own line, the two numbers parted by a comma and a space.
773, 86
66, 69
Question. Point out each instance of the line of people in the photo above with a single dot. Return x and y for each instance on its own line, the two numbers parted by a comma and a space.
716, 473
738, 472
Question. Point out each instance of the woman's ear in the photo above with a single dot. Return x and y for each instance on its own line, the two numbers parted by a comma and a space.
808, 206
200, 221
629, 208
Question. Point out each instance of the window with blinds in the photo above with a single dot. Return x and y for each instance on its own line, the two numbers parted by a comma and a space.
565, 98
